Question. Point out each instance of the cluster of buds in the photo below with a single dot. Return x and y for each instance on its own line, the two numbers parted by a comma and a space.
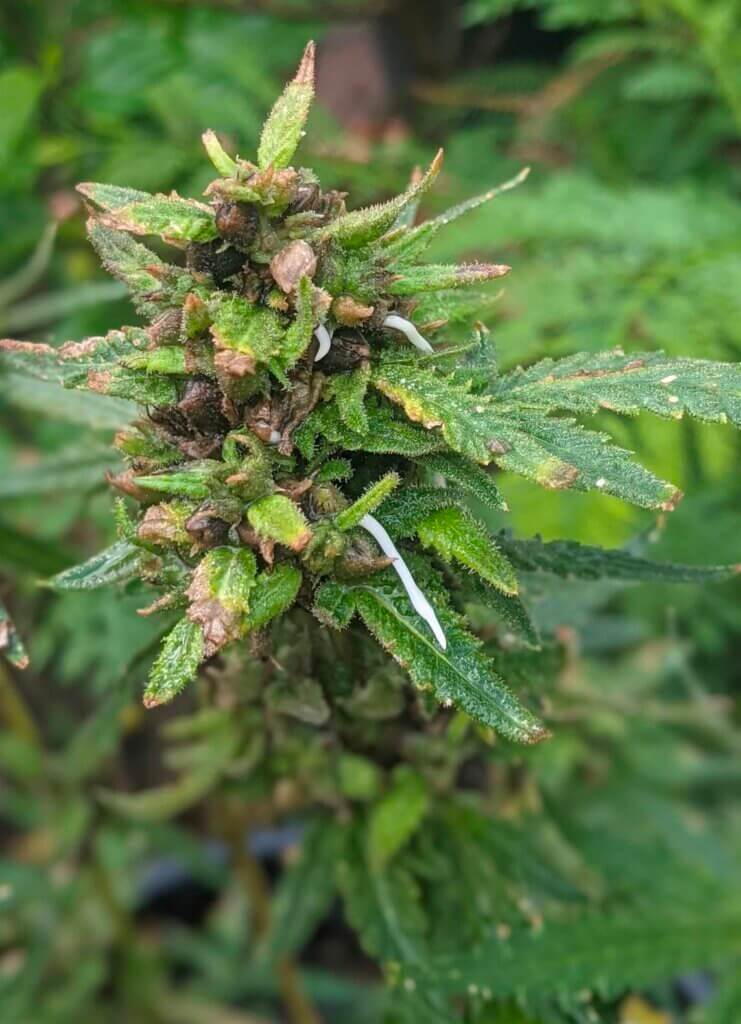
262, 449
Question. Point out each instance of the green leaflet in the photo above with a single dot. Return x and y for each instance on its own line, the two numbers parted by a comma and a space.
506, 607
349, 391
464, 474
163, 802
334, 469
217, 154
11, 645
409, 244
651, 381
386, 910
118, 563
395, 818
278, 518
196, 480
618, 951
358, 777
110, 197
406, 508
284, 127
462, 306
21, 281
454, 534
428, 398
358, 228
431, 278
139, 386
459, 674
386, 433
568, 558
305, 890
241, 327
177, 220
168, 359
368, 502
556, 453
96, 364
298, 336
177, 663
155, 286
274, 594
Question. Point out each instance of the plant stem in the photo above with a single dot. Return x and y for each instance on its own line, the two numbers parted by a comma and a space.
250, 873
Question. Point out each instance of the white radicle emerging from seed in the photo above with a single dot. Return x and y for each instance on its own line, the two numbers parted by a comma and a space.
419, 602
398, 323
324, 338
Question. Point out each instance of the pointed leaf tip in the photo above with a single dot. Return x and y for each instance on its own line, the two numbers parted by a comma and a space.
284, 127
305, 72
359, 227
218, 156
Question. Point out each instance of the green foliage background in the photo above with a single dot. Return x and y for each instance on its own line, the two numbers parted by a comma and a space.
628, 232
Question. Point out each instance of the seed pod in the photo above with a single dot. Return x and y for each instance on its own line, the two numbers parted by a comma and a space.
200, 405
215, 258
205, 529
167, 328
237, 223
348, 351
294, 261
308, 197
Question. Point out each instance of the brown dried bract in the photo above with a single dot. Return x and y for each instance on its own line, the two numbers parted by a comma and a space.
219, 624
160, 525
234, 364
294, 261
349, 312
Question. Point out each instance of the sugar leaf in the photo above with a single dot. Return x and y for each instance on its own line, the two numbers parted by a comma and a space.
284, 127
177, 663
456, 535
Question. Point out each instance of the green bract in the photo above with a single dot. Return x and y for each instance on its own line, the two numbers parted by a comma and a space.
291, 405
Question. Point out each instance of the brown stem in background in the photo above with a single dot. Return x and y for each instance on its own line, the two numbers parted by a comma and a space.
235, 829
559, 91
15, 712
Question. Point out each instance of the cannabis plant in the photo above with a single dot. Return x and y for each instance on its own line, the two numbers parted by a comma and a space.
306, 488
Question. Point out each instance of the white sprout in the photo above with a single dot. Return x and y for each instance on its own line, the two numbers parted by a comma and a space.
324, 338
275, 437
398, 323
419, 602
